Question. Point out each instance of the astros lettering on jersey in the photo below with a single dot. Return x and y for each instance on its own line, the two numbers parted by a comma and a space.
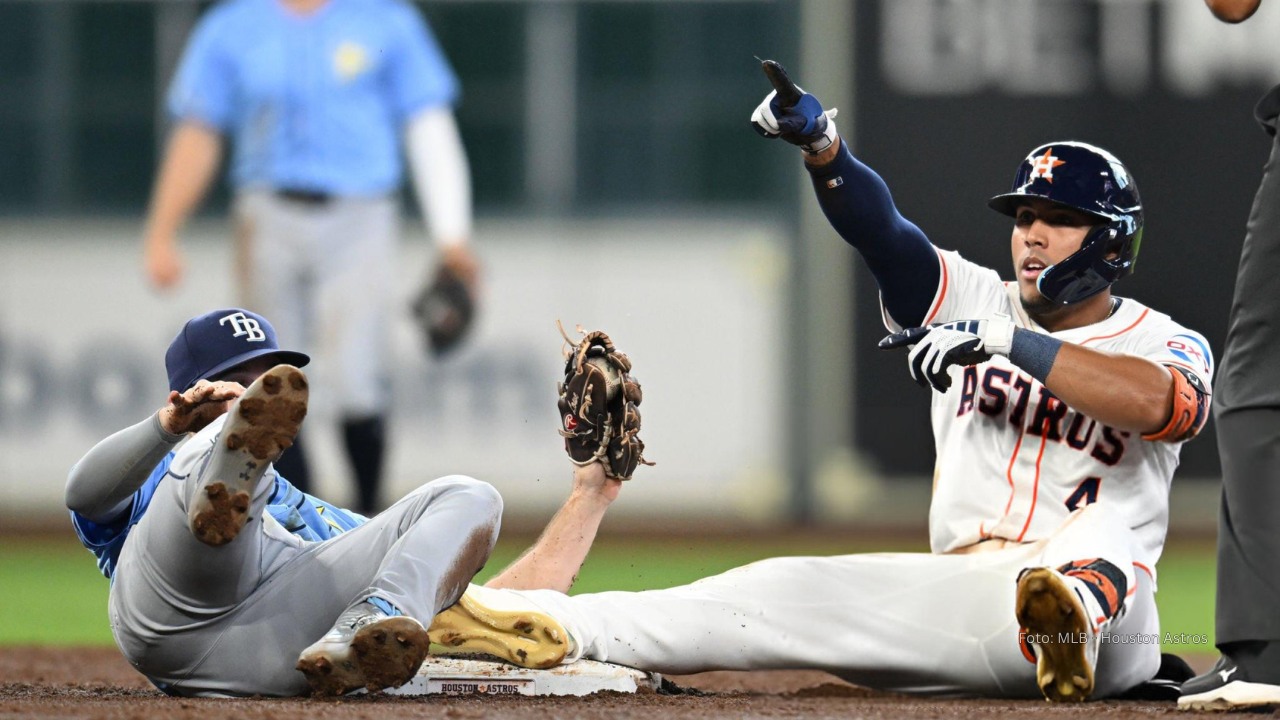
1012, 459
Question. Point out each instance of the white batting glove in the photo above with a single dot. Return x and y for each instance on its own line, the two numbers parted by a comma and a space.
935, 349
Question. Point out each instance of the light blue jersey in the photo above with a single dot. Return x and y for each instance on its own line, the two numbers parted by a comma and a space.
313, 102
306, 516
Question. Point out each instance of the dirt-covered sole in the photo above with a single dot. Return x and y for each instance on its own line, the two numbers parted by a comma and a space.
526, 637
259, 427
1053, 617
382, 655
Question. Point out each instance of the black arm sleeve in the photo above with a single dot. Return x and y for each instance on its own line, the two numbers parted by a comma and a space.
858, 205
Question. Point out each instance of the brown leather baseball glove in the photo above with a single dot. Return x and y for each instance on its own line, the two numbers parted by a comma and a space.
444, 310
599, 419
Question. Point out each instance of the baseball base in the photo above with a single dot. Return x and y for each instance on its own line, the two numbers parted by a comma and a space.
442, 675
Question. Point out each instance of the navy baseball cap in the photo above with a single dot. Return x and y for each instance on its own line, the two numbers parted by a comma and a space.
219, 340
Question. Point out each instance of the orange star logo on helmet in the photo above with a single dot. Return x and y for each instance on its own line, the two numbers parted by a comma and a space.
1043, 166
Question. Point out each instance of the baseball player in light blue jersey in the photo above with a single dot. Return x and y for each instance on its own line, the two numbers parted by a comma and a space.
317, 97
226, 580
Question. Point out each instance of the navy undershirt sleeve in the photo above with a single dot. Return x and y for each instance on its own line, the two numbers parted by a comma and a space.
858, 205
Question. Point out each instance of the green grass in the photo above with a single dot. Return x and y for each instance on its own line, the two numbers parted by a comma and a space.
1187, 585
51, 592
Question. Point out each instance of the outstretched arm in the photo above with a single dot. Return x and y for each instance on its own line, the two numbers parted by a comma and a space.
554, 560
854, 198
860, 208
600, 423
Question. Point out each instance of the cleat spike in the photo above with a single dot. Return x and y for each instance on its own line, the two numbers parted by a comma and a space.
484, 622
1047, 608
262, 424
358, 643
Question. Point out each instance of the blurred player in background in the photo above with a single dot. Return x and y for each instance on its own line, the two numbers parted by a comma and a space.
316, 98
1059, 411
210, 550
1247, 412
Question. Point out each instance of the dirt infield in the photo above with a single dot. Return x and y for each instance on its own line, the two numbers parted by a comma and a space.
97, 683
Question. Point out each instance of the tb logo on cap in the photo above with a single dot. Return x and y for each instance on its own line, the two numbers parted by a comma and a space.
244, 325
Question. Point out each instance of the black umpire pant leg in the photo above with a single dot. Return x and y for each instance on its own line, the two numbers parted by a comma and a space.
1247, 414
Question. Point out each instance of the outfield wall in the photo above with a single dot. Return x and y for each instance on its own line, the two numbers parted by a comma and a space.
697, 305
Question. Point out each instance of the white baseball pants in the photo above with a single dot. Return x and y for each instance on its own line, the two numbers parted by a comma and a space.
915, 623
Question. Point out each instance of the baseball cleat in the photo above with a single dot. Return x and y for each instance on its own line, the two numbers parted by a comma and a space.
1054, 620
260, 425
367, 648
501, 624
1228, 686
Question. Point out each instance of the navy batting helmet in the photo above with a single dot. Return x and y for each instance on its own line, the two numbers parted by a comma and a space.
1085, 177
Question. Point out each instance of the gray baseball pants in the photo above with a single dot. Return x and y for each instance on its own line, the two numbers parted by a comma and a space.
231, 620
325, 277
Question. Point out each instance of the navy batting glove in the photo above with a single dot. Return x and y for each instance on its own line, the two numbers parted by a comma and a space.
792, 114
935, 349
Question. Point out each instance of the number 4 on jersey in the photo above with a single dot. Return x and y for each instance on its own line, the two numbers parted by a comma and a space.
1084, 494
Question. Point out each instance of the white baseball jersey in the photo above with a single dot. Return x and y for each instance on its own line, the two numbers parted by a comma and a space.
1013, 462
1012, 459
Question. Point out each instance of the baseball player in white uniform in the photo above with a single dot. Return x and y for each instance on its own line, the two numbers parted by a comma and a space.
1058, 413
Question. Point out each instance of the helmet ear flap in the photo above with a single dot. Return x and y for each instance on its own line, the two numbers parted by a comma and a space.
1112, 241
1105, 255
1120, 247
